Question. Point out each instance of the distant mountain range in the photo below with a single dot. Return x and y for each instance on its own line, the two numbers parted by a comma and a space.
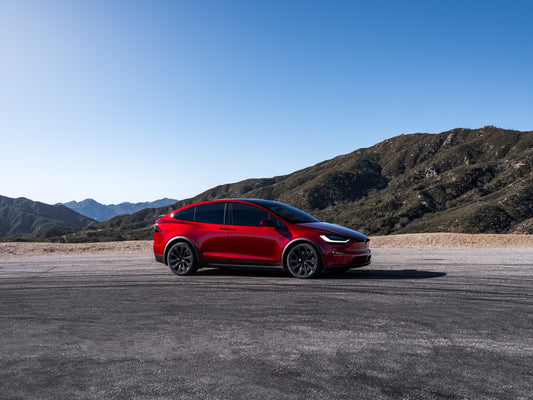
20, 216
463, 180
100, 212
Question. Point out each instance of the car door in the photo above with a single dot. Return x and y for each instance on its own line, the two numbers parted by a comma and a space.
211, 232
249, 241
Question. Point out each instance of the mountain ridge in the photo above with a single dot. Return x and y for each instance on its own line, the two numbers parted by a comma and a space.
22, 216
101, 212
461, 180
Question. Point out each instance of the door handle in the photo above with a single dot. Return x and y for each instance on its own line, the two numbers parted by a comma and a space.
228, 229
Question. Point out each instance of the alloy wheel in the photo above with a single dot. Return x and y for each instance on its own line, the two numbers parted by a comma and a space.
181, 259
303, 261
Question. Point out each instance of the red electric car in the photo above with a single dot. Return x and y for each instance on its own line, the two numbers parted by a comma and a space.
255, 232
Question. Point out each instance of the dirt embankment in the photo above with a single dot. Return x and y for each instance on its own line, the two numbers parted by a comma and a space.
452, 240
416, 240
40, 249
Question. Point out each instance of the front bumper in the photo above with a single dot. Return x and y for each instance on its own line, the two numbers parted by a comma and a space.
348, 258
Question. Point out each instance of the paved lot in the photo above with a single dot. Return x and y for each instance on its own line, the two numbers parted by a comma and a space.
417, 324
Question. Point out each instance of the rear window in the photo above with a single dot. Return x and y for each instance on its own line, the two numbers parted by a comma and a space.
212, 213
185, 215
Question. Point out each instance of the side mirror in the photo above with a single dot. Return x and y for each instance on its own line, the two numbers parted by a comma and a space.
268, 222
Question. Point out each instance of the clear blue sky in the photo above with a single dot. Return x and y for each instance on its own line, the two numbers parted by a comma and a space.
138, 100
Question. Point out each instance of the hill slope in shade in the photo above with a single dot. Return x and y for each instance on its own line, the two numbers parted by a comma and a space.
471, 181
101, 212
20, 216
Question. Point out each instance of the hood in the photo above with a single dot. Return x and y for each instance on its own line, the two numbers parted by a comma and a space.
337, 230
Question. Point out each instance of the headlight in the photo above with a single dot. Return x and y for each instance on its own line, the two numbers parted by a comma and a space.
334, 239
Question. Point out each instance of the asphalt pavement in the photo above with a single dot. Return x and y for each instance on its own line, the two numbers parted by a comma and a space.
416, 324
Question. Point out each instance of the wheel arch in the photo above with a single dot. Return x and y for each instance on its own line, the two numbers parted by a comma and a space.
293, 243
178, 239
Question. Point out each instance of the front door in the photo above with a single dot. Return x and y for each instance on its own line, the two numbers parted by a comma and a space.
249, 242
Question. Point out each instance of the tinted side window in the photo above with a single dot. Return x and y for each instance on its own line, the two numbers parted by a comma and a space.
185, 215
244, 214
287, 212
212, 213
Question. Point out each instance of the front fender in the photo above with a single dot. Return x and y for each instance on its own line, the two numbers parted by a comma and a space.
294, 242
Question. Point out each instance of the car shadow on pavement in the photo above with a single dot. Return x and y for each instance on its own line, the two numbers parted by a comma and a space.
274, 272
267, 272
384, 274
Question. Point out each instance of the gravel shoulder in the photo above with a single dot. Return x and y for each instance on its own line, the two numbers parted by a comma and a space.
417, 240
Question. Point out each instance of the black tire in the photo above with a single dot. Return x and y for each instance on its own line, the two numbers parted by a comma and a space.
303, 261
181, 259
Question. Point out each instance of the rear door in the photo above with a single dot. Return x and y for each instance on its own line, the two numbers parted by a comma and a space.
249, 242
211, 232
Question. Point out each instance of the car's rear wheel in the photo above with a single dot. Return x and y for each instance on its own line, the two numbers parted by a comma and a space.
181, 259
303, 261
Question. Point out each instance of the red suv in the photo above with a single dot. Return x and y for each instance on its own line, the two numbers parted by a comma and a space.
255, 232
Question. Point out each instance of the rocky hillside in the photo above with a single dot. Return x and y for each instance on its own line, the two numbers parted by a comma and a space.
20, 216
463, 180
101, 212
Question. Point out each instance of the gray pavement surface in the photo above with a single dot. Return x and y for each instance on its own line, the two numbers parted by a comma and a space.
416, 324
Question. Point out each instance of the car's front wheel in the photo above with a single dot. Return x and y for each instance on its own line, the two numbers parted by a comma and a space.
182, 260
303, 261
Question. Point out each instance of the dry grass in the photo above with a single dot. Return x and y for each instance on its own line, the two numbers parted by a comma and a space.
415, 240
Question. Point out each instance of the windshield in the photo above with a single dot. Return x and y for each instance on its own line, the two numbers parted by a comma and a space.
288, 213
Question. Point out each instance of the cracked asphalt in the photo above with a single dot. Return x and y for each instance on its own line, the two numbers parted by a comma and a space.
416, 324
